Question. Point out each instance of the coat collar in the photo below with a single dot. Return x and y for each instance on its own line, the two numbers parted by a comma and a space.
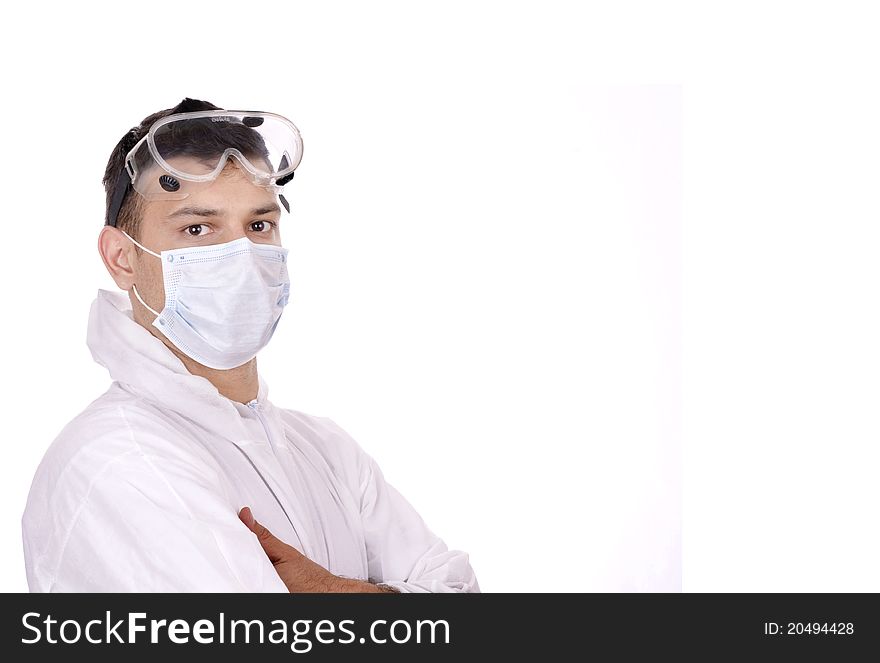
143, 364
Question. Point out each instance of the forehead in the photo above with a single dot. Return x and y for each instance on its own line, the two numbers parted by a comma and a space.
231, 194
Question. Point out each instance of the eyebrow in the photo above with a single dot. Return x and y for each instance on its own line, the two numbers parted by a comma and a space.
207, 211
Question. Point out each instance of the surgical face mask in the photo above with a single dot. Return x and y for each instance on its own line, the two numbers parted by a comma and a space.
222, 301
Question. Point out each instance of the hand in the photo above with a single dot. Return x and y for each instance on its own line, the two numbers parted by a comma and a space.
298, 572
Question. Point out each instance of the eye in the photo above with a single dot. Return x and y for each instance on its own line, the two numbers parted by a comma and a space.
261, 226
198, 232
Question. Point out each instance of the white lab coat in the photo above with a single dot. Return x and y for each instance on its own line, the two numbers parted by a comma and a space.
141, 491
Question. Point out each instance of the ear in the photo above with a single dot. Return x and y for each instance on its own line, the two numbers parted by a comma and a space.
116, 251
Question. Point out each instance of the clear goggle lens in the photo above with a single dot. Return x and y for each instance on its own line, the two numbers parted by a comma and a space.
187, 151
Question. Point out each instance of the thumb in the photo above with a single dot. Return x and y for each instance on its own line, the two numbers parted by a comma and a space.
276, 550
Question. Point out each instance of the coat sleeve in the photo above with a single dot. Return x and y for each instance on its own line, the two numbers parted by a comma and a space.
402, 551
142, 524
138, 536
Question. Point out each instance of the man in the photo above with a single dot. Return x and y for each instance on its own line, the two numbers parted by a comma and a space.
183, 476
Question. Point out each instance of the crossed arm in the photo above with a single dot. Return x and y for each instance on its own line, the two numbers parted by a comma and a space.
128, 514
130, 529
298, 572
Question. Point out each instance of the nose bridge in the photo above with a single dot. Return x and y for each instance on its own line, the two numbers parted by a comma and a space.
234, 230
231, 229
238, 233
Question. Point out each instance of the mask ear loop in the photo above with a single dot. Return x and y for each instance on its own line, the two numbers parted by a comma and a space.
139, 244
133, 286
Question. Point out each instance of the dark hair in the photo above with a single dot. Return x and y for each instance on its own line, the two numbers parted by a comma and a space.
189, 139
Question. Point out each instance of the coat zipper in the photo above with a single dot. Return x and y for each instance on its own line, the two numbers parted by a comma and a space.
254, 405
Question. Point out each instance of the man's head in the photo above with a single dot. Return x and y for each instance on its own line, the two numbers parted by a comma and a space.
226, 209
198, 143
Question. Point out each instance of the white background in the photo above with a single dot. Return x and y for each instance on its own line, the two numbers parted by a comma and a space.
485, 262
490, 251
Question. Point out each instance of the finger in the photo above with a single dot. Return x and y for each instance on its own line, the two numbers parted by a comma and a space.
247, 517
276, 550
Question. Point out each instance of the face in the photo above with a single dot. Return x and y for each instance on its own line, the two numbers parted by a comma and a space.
229, 208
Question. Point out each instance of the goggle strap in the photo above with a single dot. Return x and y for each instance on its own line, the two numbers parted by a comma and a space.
123, 186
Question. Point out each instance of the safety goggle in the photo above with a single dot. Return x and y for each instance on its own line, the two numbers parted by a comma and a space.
185, 152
